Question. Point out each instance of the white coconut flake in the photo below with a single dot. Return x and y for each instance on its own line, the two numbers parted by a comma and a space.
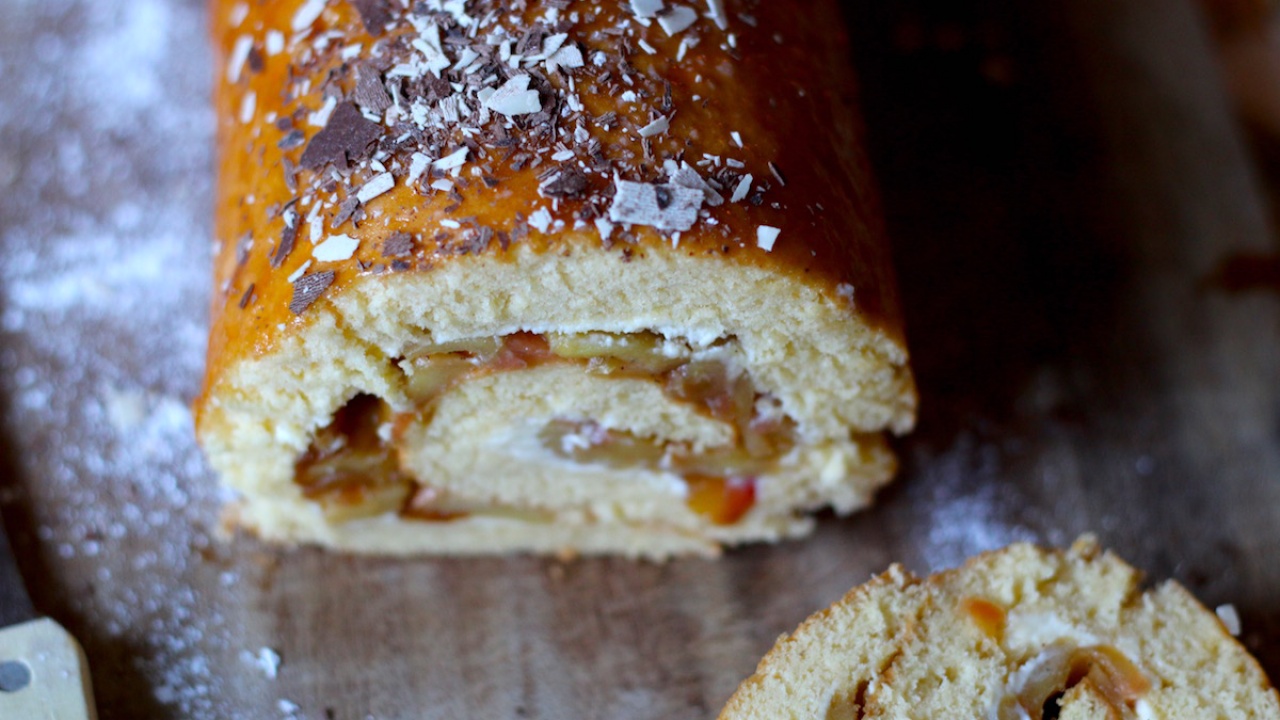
514, 98
335, 248
657, 127
248, 106
551, 46
604, 227
418, 164
846, 292
541, 219
666, 207
307, 14
428, 43
718, 14
646, 8
677, 19
685, 44
737, 138
239, 13
267, 660
302, 270
766, 236
686, 176
742, 190
238, 57
376, 186
1230, 618
453, 160
465, 58
568, 56
320, 117
275, 42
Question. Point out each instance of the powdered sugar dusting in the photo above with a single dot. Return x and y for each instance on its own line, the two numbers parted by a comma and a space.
104, 280
964, 509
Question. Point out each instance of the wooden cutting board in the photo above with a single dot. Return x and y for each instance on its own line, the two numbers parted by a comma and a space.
1060, 178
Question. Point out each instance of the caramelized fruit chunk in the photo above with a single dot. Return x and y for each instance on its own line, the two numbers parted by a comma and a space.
1102, 668
429, 376
640, 352
476, 347
521, 350
348, 469
986, 615
723, 501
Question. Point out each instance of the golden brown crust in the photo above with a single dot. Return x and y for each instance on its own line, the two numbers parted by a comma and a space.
777, 76
901, 646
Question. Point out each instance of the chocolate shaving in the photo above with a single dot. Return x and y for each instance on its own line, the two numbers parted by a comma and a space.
292, 140
255, 60
568, 181
398, 245
308, 288
290, 174
248, 296
288, 239
531, 41
663, 196
374, 13
370, 92
479, 239
348, 136
345, 211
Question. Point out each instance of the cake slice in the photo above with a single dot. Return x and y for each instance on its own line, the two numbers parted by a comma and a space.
1014, 634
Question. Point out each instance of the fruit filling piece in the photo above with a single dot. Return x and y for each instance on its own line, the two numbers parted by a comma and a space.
1104, 671
352, 468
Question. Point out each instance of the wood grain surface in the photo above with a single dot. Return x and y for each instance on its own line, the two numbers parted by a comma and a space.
1060, 179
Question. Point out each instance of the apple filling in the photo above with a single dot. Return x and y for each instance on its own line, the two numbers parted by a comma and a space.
1101, 669
352, 468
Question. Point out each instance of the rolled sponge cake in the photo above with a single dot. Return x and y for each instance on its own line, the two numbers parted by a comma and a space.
577, 276
1013, 634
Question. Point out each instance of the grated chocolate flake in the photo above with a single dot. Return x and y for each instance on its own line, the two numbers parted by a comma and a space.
375, 14
294, 138
370, 93
346, 209
347, 136
308, 288
398, 245
288, 238
563, 182
248, 297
